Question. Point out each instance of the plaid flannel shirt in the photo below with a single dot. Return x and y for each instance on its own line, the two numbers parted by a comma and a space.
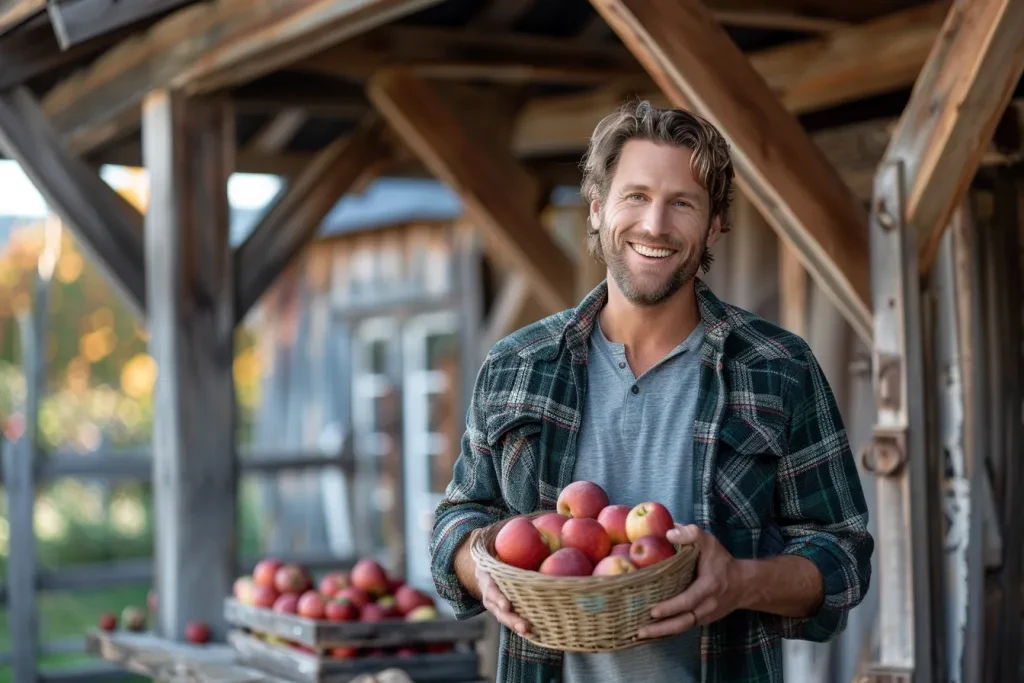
774, 470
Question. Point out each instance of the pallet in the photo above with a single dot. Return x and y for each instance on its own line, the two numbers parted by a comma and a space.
320, 634
301, 667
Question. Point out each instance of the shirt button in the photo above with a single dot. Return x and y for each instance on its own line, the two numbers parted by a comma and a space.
635, 389
622, 365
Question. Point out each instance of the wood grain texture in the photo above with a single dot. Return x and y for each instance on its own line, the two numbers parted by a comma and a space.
109, 228
777, 165
496, 190
292, 222
208, 46
188, 148
957, 101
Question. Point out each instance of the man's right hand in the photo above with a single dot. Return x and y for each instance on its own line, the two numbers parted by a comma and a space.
497, 604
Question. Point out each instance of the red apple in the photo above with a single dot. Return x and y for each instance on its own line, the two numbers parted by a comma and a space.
394, 583
287, 604
567, 562
613, 565
108, 622
263, 596
133, 619
424, 613
341, 610
440, 647
375, 652
291, 578
582, 499
587, 535
621, 549
197, 632
520, 544
242, 589
408, 598
311, 605
406, 652
353, 594
650, 549
344, 652
550, 527
373, 612
647, 519
370, 577
265, 572
332, 583
613, 519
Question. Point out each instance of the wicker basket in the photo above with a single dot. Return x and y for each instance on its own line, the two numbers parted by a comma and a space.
585, 614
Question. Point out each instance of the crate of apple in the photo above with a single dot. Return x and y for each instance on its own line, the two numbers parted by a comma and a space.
362, 609
590, 562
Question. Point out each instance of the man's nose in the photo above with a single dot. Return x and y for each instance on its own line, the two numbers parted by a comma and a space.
655, 221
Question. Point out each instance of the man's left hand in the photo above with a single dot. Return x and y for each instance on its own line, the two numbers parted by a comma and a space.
716, 592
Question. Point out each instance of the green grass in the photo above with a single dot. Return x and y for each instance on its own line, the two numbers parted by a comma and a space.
71, 615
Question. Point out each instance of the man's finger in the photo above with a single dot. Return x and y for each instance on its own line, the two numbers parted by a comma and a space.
684, 535
698, 591
667, 627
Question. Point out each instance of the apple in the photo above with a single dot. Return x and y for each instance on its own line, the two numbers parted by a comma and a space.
613, 565
108, 622
550, 527
394, 583
375, 652
341, 610
332, 583
353, 594
567, 562
520, 544
263, 596
290, 578
311, 605
370, 577
648, 519
344, 652
613, 519
423, 613
582, 499
197, 632
650, 549
373, 612
621, 549
408, 598
133, 619
242, 589
407, 652
265, 572
387, 602
440, 647
287, 604
587, 535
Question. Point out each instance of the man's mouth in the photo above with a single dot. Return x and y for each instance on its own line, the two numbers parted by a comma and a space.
651, 252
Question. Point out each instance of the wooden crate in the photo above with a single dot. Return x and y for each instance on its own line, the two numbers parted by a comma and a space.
302, 667
319, 634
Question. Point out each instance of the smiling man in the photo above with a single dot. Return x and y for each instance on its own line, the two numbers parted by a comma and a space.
657, 390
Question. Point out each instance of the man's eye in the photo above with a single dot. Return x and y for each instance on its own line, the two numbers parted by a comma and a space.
635, 197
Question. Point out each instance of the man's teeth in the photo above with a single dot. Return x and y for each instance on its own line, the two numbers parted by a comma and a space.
650, 252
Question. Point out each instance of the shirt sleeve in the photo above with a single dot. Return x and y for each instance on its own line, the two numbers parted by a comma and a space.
472, 500
822, 510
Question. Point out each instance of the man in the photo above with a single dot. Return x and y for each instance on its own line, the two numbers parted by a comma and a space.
656, 390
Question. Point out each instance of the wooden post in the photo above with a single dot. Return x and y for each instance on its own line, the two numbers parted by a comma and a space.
188, 148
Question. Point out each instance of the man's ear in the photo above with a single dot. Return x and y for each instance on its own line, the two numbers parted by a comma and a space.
715, 232
595, 214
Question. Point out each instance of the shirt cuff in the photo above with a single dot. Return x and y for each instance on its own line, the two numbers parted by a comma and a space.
839, 588
450, 537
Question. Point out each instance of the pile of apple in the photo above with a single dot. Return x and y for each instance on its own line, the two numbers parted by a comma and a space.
134, 619
586, 536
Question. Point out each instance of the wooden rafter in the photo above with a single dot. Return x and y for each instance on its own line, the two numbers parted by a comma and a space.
500, 14
77, 21
962, 92
496, 190
777, 165
108, 227
293, 220
14, 13
204, 47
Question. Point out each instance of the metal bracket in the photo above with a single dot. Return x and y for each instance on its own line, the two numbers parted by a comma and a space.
887, 452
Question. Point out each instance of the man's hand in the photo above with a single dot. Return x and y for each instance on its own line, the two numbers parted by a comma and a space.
498, 605
716, 592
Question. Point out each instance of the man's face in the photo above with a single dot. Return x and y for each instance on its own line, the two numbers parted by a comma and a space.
654, 224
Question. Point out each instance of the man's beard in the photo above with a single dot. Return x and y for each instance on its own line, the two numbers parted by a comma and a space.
641, 291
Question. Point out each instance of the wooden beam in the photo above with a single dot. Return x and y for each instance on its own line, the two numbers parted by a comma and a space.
108, 227
501, 14
849, 64
77, 21
793, 290
279, 131
292, 222
188, 147
208, 46
496, 190
962, 92
786, 177
779, 20
508, 304
14, 13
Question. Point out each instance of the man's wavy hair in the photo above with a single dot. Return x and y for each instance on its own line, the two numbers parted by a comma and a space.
711, 162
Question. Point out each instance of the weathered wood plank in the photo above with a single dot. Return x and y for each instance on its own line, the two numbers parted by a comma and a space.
793, 291
958, 99
497, 192
188, 147
164, 659
777, 165
208, 46
294, 219
77, 21
109, 228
